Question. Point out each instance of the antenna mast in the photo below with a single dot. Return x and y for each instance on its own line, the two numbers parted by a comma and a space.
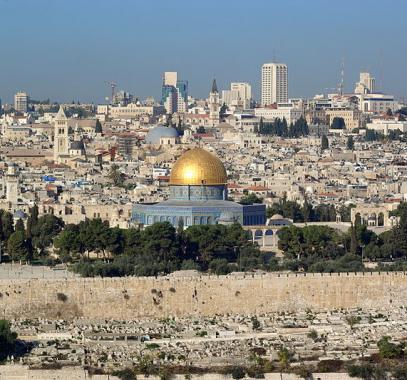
341, 84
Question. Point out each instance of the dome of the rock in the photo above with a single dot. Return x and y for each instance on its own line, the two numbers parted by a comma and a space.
198, 167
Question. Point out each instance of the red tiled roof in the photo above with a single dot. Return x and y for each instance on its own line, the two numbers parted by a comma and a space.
257, 188
163, 177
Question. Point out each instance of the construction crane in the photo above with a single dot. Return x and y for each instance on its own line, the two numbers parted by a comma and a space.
113, 87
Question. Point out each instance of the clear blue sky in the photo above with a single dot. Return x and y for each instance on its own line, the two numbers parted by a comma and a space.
66, 49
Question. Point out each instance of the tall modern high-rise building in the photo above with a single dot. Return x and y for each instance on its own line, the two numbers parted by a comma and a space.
239, 95
366, 84
21, 101
174, 95
274, 83
182, 96
170, 78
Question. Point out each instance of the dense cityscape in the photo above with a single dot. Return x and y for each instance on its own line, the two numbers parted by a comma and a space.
249, 233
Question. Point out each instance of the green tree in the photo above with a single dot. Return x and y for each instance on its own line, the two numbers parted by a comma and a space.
251, 198
238, 373
288, 209
350, 143
389, 350
284, 357
372, 135
352, 320
220, 266
98, 126
68, 242
307, 212
116, 176
132, 241
34, 214
20, 225
7, 224
17, 247
222, 111
364, 371
160, 252
354, 245
7, 340
44, 230
256, 323
324, 142
261, 126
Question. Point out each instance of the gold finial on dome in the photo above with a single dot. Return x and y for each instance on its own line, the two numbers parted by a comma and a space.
198, 167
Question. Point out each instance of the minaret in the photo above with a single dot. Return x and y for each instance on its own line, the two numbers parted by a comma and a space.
61, 139
12, 184
214, 105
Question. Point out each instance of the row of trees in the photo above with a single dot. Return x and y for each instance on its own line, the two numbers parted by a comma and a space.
323, 249
161, 248
157, 249
30, 241
318, 249
307, 212
391, 244
372, 135
280, 128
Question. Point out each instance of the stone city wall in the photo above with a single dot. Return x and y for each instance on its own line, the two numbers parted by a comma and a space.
132, 297
18, 372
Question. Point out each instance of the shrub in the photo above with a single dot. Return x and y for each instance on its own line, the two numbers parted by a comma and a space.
400, 373
304, 372
125, 374
62, 297
329, 366
238, 373
352, 320
152, 346
364, 371
390, 350
255, 323
220, 266
313, 335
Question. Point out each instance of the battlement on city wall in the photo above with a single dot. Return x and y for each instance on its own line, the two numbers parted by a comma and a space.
131, 297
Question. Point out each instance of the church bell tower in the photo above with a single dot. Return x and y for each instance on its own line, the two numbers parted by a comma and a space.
61, 139
214, 104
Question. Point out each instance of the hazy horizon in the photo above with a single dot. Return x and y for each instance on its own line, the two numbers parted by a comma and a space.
66, 50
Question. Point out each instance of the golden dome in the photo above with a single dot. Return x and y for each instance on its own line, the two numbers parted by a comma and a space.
198, 167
